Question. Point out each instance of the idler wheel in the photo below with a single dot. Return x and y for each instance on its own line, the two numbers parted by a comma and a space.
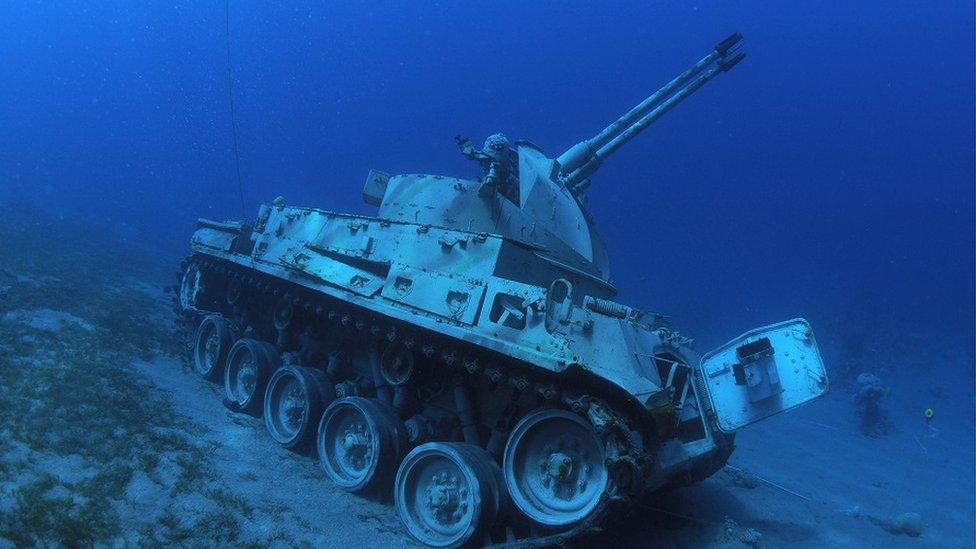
191, 286
449, 494
360, 442
292, 402
213, 341
249, 365
555, 468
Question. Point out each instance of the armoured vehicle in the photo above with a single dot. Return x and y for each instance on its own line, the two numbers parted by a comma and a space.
462, 348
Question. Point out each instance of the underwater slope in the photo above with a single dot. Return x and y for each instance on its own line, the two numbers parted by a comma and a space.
810, 478
106, 438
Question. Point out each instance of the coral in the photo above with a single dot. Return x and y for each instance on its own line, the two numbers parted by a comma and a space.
909, 524
732, 532
853, 512
867, 378
742, 478
751, 537
870, 405
729, 527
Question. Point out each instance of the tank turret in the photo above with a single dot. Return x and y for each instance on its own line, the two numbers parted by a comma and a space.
526, 195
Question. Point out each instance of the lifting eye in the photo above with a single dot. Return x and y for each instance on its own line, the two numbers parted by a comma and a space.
559, 304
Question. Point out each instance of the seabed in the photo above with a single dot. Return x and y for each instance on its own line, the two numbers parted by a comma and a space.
106, 437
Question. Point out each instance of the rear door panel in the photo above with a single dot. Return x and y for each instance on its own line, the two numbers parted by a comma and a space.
763, 372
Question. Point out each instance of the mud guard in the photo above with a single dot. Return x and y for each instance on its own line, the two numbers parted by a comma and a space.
763, 372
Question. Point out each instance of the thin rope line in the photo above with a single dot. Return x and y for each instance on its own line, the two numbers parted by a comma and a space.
233, 110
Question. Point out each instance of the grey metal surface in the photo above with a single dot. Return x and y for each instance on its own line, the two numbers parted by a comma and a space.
509, 267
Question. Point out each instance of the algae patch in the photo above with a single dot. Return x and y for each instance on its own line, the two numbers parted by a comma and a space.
90, 452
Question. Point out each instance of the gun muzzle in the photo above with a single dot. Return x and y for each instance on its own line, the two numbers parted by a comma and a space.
583, 159
729, 45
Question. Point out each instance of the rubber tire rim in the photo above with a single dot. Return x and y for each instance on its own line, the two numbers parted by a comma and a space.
530, 457
448, 467
298, 383
213, 331
347, 425
263, 358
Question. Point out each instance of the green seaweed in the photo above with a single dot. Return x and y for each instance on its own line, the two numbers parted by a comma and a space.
38, 516
69, 389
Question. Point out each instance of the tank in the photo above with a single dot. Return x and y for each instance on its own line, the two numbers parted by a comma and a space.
462, 349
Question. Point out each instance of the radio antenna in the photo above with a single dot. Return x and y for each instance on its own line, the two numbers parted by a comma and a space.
233, 111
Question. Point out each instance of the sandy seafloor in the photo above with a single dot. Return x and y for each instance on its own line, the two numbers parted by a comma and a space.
105, 438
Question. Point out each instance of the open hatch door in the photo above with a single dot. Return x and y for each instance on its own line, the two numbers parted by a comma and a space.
763, 372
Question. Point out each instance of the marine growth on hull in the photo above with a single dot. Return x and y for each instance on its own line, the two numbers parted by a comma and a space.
462, 352
474, 446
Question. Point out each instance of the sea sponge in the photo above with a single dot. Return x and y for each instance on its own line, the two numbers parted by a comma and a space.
909, 524
751, 537
870, 399
742, 478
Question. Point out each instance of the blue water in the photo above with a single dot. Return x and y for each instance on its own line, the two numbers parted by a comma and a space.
831, 175
828, 175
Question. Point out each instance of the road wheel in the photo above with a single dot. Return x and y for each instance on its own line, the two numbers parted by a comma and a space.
249, 365
449, 494
555, 468
213, 340
360, 442
292, 402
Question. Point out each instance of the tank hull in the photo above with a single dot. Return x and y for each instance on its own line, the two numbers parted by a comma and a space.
504, 343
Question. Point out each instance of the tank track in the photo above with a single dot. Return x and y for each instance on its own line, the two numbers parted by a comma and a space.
624, 439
